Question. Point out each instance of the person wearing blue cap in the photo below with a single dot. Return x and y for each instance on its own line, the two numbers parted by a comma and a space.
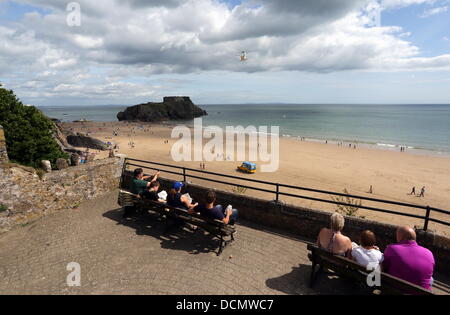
178, 200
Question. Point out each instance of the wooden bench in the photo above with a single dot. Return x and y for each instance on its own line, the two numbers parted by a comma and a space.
220, 230
350, 269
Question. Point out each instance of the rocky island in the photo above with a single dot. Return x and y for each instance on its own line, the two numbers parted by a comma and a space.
172, 108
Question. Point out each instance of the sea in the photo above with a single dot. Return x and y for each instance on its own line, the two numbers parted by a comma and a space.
419, 128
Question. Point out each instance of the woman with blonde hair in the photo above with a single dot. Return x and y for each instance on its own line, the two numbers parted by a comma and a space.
332, 239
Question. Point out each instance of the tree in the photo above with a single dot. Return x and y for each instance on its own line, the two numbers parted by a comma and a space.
28, 132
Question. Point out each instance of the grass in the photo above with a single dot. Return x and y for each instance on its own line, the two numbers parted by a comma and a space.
40, 172
3, 208
76, 205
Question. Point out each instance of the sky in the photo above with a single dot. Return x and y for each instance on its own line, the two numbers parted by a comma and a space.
298, 51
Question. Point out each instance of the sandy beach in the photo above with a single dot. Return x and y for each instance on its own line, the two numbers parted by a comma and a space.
307, 164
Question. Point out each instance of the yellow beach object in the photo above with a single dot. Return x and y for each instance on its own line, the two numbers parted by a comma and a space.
247, 167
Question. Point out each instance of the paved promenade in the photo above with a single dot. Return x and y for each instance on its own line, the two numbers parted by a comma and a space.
122, 257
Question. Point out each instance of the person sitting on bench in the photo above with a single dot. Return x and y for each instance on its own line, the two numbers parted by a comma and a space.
332, 239
409, 261
152, 192
139, 182
208, 210
178, 200
137, 186
367, 253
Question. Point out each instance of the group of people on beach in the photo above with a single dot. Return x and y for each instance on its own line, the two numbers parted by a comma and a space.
340, 144
412, 193
405, 259
147, 187
131, 144
421, 194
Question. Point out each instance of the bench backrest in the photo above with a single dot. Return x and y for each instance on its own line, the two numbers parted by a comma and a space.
389, 283
126, 179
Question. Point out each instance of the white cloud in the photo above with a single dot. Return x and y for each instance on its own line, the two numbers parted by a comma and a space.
88, 42
119, 40
404, 3
433, 11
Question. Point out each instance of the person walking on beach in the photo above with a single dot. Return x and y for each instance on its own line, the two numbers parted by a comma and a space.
413, 191
422, 192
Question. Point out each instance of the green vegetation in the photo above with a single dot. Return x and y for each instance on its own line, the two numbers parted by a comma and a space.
353, 205
40, 172
76, 205
28, 132
3, 207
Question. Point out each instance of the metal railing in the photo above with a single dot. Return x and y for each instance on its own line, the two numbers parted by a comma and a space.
185, 172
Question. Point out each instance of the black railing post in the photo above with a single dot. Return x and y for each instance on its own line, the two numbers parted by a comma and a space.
184, 174
427, 217
278, 193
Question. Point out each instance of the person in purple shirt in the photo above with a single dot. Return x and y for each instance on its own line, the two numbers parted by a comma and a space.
409, 261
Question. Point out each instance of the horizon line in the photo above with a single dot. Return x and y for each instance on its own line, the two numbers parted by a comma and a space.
265, 103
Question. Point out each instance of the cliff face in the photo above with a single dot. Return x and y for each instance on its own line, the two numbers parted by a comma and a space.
67, 140
172, 108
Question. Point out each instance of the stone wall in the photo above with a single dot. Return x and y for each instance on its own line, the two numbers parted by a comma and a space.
3, 152
28, 197
307, 223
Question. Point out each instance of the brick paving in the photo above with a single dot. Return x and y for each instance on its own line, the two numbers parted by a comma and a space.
137, 257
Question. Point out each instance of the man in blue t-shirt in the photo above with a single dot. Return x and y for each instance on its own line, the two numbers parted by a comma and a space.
208, 210
152, 192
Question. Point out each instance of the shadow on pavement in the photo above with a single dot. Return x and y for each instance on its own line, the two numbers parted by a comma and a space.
171, 236
327, 283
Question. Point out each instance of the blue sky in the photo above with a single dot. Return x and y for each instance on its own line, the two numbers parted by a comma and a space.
426, 33
11, 11
299, 51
